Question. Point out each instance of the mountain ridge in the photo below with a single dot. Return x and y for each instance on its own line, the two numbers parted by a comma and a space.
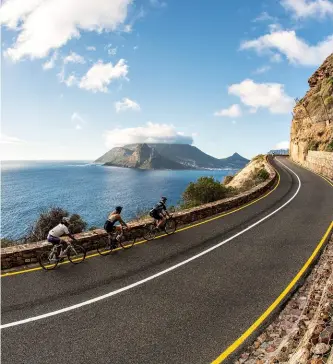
167, 156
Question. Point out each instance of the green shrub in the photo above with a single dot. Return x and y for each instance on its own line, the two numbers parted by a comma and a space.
262, 175
49, 219
329, 147
204, 190
313, 145
7, 242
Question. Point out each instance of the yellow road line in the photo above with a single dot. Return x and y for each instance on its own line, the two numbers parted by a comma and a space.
160, 236
274, 305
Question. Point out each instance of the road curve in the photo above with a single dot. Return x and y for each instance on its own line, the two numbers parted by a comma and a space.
190, 313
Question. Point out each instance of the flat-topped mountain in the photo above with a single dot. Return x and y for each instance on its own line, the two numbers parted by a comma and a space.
167, 156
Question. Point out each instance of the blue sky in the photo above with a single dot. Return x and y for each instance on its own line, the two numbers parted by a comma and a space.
79, 77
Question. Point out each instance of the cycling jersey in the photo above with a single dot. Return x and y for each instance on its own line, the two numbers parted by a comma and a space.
59, 230
160, 207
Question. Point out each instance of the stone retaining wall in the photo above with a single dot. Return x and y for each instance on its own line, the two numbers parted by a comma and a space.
24, 254
320, 162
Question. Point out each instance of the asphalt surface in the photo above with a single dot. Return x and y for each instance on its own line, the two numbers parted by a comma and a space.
190, 314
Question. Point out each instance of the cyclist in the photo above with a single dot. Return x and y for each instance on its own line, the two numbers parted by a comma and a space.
58, 231
113, 218
160, 212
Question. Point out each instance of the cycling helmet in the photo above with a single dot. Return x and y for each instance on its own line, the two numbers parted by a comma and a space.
65, 220
118, 209
163, 199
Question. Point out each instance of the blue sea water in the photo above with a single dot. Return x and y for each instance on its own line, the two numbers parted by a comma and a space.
81, 187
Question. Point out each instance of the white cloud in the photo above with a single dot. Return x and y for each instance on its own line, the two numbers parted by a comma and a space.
149, 133
100, 75
78, 120
111, 51
264, 16
262, 69
127, 104
128, 28
91, 48
158, 3
263, 95
276, 58
43, 25
309, 8
234, 111
71, 80
5, 139
74, 58
51, 62
295, 49
282, 145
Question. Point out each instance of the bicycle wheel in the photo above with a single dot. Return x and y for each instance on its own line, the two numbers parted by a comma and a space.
127, 241
149, 232
76, 254
170, 226
48, 260
103, 246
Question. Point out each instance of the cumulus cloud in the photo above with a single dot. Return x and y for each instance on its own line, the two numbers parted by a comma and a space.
43, 25
149, 133
91, 48
6, 139
263, 95
309, 8
127, 104
100, 75
282, 145
233, 111
78, 120
295, 49
51, 62
74, 58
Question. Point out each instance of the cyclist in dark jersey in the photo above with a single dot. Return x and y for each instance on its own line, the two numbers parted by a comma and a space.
160, 213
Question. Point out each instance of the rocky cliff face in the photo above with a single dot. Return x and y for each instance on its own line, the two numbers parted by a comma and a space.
312, 125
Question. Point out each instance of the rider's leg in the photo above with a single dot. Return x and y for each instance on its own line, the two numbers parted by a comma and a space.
64, 246
120, 232
161, 221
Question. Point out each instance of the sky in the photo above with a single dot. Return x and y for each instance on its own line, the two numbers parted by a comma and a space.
80, 77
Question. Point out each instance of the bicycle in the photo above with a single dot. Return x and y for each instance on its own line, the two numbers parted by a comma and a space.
150, 230
49, 260
107, 245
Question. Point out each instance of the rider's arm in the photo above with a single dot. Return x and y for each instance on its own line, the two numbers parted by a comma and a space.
122, 222
67, 233
166, 211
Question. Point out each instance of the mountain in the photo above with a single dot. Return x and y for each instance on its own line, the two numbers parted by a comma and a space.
167, 156
235, 160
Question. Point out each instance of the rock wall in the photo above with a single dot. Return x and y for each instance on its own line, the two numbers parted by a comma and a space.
312, 124
320, 162
18, 255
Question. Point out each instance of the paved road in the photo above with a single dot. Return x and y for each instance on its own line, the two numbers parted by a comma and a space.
188, 315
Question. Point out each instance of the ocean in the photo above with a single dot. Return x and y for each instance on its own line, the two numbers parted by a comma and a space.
28, 187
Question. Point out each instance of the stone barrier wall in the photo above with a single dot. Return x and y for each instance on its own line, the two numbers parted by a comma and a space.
320, 162
24, 254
